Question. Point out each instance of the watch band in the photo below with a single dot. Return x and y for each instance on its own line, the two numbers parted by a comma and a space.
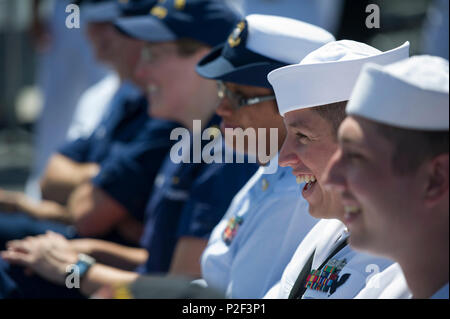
83, 264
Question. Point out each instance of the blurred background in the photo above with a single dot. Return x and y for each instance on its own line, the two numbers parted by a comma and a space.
45, 67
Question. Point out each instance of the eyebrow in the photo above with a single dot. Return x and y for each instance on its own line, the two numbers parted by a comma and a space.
300, 124
347, 141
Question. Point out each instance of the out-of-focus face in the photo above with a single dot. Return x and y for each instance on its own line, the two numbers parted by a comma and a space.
261, 115
171, 82
309, 145
101, 36
114, 49
381, 206
129, 51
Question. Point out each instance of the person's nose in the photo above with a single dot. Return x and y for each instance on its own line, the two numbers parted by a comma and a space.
288, 156
224, 109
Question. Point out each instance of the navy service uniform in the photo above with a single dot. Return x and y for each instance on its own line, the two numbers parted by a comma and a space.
188, 200
128, 175
124, 121
130, 147
388, 284
324, 266
250, 247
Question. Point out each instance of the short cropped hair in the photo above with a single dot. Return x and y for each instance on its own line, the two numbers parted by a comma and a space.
334, 113
187, 46
413, 147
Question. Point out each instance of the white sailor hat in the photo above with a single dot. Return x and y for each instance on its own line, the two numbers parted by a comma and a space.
328, 74
410, 94
260, 44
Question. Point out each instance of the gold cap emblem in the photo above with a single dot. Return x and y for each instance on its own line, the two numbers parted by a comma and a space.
159, 12
235, 37
180, 4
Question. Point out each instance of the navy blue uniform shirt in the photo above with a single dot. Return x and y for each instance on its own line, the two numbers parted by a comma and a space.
188, 200
128, 175
126, 118
130, 150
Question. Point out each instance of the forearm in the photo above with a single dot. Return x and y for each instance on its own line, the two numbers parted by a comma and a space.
186, 257
94, 212
111, 254
47, 210
62, 177
101, 275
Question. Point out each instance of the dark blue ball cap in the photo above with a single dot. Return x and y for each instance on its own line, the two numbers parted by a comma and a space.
97, 11
234, 63
260, 44
207, 21
130, 8
111, 10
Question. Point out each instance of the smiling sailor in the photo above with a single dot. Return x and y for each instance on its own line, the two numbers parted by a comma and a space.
312, 97
392, 171
250, 247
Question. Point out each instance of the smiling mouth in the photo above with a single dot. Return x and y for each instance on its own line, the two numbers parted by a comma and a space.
310, 180
351, 212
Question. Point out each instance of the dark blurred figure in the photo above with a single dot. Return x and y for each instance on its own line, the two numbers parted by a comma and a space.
66, 69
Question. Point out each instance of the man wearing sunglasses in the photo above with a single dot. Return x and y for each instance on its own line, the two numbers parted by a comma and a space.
243, 257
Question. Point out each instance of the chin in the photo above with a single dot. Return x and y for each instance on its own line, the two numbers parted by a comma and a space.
360, 242
316, 213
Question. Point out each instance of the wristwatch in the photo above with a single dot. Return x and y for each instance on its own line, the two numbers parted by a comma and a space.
83, 264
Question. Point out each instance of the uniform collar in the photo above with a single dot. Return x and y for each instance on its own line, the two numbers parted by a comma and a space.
441, 293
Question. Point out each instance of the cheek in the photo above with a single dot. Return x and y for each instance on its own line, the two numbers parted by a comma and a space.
143, 73
133, 52
373, 190
314, 158
246, 119
362, 182
177, 77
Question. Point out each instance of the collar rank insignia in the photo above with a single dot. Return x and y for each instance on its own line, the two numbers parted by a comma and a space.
231, 230
235, 37
327, 279
264, 184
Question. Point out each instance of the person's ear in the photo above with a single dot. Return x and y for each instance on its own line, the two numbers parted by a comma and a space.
437, 180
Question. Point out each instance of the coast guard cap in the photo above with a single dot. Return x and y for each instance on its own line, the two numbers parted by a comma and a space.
260, 44
328, 74
410, 94
110, 10
207, 21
